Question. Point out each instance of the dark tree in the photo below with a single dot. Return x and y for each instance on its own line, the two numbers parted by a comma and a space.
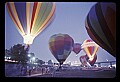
40, 62
19, 53
50, 62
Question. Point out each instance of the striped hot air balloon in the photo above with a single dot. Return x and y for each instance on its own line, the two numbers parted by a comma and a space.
30, 18
101, 25
90, 48
61, 46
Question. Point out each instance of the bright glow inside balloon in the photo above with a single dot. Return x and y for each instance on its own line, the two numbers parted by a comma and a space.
28, 39
88, 44
90, 48
91, 58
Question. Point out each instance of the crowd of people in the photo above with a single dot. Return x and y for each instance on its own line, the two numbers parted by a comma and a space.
41, 70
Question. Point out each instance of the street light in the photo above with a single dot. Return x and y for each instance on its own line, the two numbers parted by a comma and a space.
107, 59
29, 55
33, 59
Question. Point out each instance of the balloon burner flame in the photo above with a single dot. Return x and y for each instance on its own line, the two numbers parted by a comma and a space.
28, 39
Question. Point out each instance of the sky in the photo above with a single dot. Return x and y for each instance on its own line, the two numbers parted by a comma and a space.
69, 19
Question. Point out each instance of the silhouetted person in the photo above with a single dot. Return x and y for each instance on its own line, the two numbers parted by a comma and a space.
42, 70
30, 72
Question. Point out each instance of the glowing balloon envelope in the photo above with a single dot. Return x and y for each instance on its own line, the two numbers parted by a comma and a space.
61, 46
30, 18
101, 25
90, 48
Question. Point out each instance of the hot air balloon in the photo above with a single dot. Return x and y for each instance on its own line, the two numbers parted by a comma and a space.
30, 18
77, 48
101, 25
93, 61
90, 48
61, 46
83, 60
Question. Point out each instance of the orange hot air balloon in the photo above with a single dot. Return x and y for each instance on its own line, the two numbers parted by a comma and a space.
90, 48
30, 18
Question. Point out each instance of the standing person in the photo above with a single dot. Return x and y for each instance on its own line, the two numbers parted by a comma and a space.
22, 71
42, 70
46, 70
30, 71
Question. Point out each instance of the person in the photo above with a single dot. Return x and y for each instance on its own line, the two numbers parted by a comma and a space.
30, 72
24, 71
42, 70
46, 69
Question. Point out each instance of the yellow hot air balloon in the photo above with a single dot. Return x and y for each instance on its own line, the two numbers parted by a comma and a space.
90, 48
30, 18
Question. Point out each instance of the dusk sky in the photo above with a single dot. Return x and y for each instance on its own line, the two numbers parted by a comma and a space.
69, 19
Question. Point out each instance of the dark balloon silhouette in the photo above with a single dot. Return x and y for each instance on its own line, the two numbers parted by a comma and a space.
101, 25
77, 48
